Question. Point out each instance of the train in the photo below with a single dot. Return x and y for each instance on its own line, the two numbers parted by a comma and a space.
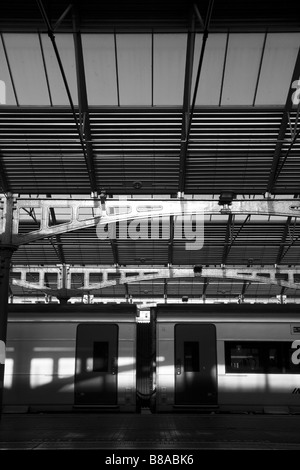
185, 358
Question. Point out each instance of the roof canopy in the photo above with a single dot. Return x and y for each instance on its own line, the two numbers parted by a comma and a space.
157, 100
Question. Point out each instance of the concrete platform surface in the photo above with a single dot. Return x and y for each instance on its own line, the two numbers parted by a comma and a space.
78, 431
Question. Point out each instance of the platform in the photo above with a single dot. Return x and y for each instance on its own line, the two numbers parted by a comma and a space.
108, 431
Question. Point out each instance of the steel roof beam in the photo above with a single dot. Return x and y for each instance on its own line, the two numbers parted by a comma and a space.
91, 173
114, 211
281, 276
186, 103
204, 39
228, 238
231, 110
188, 109
83, 103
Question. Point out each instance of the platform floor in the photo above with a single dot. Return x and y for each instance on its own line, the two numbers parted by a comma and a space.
52, 431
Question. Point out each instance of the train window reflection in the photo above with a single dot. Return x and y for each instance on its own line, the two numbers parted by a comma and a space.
244, 358
100, 356
41, 371
8, 376
272, 357
66, 366
191, 356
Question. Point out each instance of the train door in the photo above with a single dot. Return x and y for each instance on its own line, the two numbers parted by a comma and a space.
195, 365
96, 364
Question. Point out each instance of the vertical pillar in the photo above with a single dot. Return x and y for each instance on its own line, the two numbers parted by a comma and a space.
6, 252
63, 298
63, 294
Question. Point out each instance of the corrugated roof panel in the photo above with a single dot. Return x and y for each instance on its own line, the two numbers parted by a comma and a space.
149, 289
113, 292
209, 254
42, 153
137, 152
262, 290
291, 253
221, 288
231, 151
143, 252
184, 256
120, 174
33, 174
288, 170
36, 253
252, 254
84, 247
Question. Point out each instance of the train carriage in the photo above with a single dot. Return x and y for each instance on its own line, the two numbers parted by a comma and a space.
71, 356
227, 357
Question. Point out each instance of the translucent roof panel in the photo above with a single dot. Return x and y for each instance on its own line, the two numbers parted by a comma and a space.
65, 46
27, 68
212, 68
7, 95
143, 69
134, 54
277, 68
241, 69
169, 56
100, 68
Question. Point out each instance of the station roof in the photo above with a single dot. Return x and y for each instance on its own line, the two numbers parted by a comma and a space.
151, 100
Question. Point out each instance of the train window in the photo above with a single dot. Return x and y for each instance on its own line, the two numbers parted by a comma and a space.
100, 356
242, 357
191, 356
273, 362
259, 357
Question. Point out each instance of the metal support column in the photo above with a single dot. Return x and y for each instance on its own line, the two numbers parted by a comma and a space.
63, 294
6, 251
5, 258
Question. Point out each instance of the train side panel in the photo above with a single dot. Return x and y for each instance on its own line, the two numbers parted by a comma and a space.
254, 350
40, 366
243, 354
40, 363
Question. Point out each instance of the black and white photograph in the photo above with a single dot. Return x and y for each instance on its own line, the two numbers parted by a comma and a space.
149, 231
